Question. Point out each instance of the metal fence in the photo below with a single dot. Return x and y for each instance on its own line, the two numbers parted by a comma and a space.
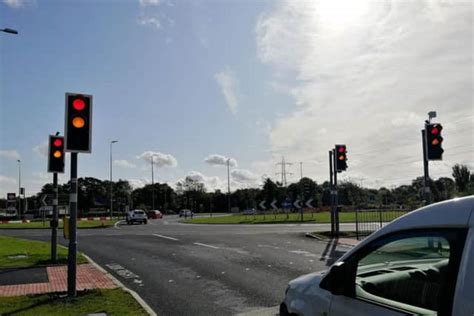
368, 221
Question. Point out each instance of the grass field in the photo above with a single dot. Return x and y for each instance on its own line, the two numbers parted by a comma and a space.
321, 217
45, 225
22, 253
109, 302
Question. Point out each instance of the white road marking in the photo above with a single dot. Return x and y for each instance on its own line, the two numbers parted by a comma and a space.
205, 245
118, 222
166, 237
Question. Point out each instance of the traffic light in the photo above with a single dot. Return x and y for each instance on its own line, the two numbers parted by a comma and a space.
78, 123
341, 158
56, 154
434, 141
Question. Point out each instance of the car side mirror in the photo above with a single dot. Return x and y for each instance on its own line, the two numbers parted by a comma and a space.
336, 281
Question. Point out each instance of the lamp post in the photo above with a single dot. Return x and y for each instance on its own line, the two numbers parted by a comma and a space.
228, 185
19, 187
111, 184
152, 184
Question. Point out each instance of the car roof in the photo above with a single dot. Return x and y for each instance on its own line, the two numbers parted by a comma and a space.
452, 213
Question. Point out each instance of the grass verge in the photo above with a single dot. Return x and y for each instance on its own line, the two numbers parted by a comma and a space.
45, 225
22, 253
110, 302
321, 217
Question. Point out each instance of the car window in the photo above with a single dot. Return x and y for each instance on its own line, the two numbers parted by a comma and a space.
411, 273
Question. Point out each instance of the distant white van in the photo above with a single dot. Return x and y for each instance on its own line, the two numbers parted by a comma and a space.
421, 263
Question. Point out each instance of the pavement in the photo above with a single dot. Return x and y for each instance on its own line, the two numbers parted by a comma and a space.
196, 269
21, 282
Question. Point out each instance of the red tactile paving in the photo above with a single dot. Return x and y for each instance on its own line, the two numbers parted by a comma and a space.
88, 277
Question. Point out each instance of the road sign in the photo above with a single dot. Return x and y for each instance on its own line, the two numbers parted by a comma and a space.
43, 199
308, 203
273, 204
11, 197
262, 205
297, 204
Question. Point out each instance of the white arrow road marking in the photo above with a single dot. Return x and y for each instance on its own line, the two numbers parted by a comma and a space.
205, 245
166, 237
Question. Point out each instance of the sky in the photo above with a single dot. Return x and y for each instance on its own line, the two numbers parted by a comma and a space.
197, 83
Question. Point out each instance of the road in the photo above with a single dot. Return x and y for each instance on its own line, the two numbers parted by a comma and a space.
184, 269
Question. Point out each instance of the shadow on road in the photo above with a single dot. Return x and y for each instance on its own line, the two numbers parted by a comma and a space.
330, 253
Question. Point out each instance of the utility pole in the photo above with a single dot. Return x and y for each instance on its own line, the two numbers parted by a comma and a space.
301, 170
228, 184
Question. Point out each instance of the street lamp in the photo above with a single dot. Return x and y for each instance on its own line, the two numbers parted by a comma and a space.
11, 31
111, 187
19, 187
228, 184
152, 185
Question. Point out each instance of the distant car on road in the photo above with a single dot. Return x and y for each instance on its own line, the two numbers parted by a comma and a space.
250, 211
154, 214
136, 216
186, 213
419, 264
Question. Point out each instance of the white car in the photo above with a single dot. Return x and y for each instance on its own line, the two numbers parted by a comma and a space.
422, 263
136, 216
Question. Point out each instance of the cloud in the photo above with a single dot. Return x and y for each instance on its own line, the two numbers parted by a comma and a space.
145, 3
228, 85
138, 183
124, 164
245, 176
219, 160
149, 20
9, 154
15, 3
211, 183
366, 73
4, 180
41, 149
159, 159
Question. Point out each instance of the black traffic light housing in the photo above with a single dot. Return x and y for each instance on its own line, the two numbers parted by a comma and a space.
341, 157
78, 123
434, 141
56, 154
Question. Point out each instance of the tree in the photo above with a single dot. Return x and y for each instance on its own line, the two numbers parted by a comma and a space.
461, 177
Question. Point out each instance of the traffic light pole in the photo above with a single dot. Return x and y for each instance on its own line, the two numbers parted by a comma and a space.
72, 251
336, 200
426, 178
333, 222
54, 222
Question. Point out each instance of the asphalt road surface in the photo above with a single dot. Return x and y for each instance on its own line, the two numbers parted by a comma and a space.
184, 269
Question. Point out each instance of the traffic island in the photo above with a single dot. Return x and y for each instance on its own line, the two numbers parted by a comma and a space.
31, 285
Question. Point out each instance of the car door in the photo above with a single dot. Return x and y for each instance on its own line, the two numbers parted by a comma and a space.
405, 273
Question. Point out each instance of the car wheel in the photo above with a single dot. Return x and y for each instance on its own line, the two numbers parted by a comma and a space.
284, 310
145, 222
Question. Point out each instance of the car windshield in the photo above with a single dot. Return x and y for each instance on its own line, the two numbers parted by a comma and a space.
192, 149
